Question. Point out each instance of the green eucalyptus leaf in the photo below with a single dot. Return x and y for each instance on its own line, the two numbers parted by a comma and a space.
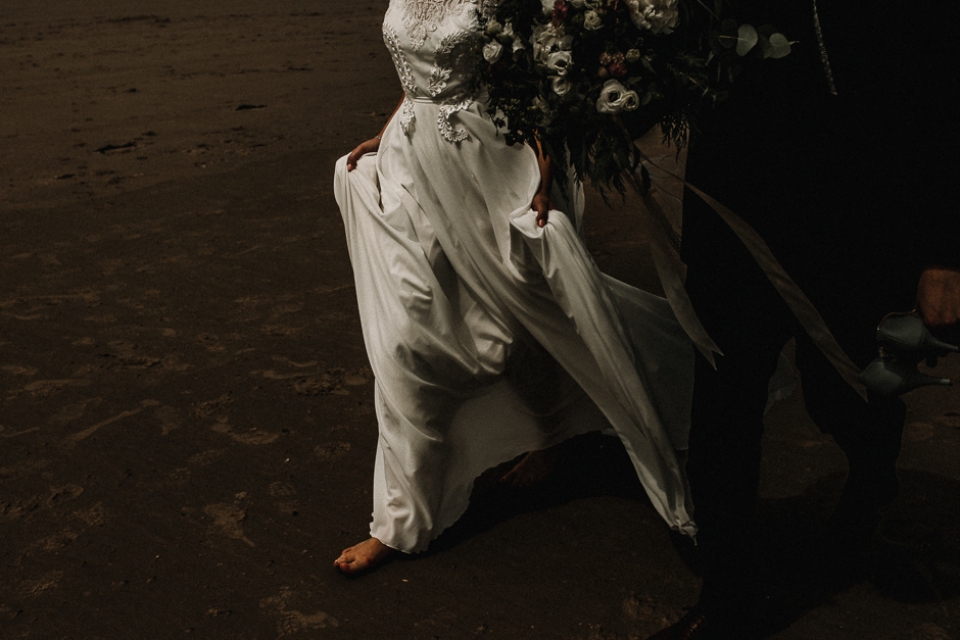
779, 46
746, 39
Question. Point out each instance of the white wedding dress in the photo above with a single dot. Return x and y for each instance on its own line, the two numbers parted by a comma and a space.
489, 336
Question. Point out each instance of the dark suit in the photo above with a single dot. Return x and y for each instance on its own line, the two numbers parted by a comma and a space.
854, 193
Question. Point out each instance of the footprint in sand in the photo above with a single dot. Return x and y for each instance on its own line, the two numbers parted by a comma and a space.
282, 490
252, 435
19, 371
291, 622
331, 451
325, 384
210, 407
211, 342
55, 542
169, 419
332, 381
287, 492
71, 412
204, 458
295, 364
66, 493
94, 516
228, 520
45, 388
48, 581
131, 356
178, 478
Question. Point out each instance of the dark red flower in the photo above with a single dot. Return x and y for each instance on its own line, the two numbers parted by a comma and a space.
560, 11
617, 69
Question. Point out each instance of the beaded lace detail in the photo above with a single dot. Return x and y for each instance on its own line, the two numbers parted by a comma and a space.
451, 63
405, 71
455, 54
443, 120
421, 17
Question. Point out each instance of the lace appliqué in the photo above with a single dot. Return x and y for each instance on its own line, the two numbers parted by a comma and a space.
454, 54
443, 120
421, 17
405, 72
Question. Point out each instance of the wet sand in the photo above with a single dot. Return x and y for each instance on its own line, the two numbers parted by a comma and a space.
186, 422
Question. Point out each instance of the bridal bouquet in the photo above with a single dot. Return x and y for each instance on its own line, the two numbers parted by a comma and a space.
585, 78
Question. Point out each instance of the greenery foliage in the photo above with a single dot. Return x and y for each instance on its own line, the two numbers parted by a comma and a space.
582, 79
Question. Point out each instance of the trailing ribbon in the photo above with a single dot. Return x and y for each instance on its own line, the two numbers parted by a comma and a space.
662, 228
672, 271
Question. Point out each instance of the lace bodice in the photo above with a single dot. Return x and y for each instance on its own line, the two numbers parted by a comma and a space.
434, 45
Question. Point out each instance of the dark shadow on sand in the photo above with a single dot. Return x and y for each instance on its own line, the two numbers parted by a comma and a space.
914, 557
591, 465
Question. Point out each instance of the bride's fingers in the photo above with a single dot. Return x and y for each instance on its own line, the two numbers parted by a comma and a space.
361, 149
541, 204
352, 158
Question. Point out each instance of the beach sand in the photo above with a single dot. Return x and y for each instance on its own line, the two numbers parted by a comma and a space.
187, 430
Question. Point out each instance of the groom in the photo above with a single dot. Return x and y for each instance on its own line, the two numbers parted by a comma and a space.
827, 154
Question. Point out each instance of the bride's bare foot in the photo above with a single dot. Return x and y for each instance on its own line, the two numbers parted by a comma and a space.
366, 556
534, 468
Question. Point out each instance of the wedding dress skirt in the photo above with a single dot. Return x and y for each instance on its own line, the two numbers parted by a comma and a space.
489, 336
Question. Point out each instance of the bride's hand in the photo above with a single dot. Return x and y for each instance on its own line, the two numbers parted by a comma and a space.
542, 205
369, 146
541, 201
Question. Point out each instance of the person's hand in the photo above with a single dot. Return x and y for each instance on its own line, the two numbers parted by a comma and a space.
938, 298
541, 201
542, 205
369, 146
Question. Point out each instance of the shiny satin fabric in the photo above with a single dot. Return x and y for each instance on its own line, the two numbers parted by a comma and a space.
488, 335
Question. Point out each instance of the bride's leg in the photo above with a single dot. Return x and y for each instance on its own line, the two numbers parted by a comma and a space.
366, 556
534, 468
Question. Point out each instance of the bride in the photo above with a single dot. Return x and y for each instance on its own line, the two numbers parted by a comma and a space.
489, 328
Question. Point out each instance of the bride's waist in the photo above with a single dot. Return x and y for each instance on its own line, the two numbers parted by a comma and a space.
446, 100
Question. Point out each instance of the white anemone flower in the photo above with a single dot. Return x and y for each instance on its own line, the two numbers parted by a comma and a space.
614, 98
492, 51
658, 16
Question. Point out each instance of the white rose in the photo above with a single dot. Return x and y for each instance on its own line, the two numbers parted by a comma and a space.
630, 101
544, 40
559, 62
548, 6
614, 98
492, 51
592, 20
561, 86
659, 16
494, 27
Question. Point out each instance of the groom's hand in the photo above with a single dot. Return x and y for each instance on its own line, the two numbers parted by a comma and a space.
938, 299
